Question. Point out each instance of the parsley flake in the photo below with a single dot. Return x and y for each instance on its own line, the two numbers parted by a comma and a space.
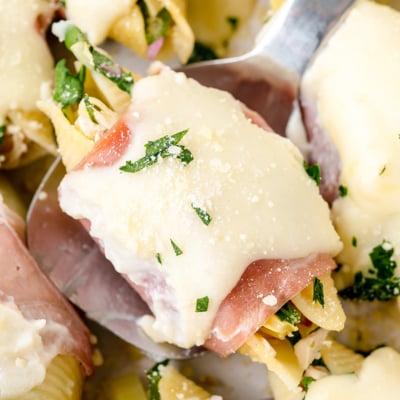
289, 314
203, 214
380, 283
159, 259
101, 62
202, 304
89, 108
233, 23
166, 146
68, 88
156, 26
202, 52
383, 169
313, 171
176, 248
153, 378
2, 134
343, 191
354, 241
306, 381
318, 292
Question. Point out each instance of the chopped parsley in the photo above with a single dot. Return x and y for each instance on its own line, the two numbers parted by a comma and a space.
380, 283
306, 381
289, 313
153, 378
68, 88
354, 241
159, 259
155, 27
202, 304
2, 134
383, 169
203, 214
202, 52
166, 146
89, 108
102, 63
343, 191
318, 292
313, 171
176, 248
233, 23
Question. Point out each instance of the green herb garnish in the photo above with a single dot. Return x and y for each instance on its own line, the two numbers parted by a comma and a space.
90, 109
313, 172
167, 146
202, 304
383, 169
233, 22
203, 214
380, 283
343, 191
68, 88
159, 259
101, 62
306, 381
318, 292
176, 248
155, 27
153, 378
2, 134
354, 241
289, 314
202, 52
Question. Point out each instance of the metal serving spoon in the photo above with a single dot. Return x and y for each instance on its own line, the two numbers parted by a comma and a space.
266, 79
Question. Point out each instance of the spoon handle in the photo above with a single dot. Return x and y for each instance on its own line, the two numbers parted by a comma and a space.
295, 32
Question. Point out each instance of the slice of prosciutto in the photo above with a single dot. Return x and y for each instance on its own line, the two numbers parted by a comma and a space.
212, 219
24, 285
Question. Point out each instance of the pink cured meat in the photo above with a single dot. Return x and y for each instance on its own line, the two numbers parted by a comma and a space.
37, 298
322, 151
243, 311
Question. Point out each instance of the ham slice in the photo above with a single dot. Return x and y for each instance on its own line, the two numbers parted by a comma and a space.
24, 283
263, 289
264, 286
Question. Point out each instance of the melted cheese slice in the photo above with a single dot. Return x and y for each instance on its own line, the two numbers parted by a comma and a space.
355, 85
378, 378
251, 182
25, 62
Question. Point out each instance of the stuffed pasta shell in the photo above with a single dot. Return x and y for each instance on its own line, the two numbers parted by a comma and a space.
45, 349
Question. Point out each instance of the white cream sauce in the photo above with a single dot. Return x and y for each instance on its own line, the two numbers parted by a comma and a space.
355, 84
25, 62
23, 357
252, 184
96, 17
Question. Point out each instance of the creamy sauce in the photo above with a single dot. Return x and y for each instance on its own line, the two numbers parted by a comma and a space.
23, 357
355, 84
96, 17
378, 378
25, 62
251, 183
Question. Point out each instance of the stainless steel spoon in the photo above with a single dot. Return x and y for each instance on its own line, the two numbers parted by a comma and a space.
266, 79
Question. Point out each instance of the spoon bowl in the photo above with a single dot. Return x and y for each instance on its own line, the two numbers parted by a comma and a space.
266, 79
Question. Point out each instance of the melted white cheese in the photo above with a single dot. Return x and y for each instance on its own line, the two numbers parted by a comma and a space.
355, 84
25, 62
96, 17
252, 184
23, 357
378, 378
